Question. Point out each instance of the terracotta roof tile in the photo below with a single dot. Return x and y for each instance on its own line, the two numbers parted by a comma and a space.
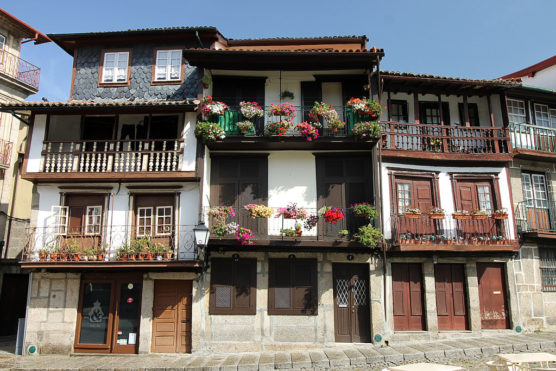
97, 104
447, 78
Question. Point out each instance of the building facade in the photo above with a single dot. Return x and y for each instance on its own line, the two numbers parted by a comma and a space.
18, 80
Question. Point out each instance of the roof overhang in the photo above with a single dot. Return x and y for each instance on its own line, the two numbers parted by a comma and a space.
531, 70
282, 60
23, 28
103, 106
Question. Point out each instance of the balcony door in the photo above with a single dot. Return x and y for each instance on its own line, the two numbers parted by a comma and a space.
537, 206
85, 221
238, 181
154, 218
414, 192
476, 194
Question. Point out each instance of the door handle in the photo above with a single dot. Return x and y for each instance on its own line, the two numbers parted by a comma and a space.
184, 321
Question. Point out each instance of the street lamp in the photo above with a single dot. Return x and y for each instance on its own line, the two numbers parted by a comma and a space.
201, 234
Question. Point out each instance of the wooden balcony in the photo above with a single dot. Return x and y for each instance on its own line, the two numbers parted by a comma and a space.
20, 70
111, 160
536, 218
421, 233
444, 142
100, 247
532, 141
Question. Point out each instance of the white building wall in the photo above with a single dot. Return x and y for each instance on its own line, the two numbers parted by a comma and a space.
544, 79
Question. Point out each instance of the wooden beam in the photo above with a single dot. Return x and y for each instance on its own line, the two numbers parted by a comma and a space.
466, 111
389, 107
504, 108
490, 113
416, 107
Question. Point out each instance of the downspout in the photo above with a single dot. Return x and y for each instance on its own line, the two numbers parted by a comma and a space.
12, 208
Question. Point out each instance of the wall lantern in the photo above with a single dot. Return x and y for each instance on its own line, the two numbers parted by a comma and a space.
201, 234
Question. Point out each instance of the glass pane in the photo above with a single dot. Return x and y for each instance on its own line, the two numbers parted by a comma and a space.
96, 307
128, 313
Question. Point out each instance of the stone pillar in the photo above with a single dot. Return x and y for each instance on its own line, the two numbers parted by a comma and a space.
145, 327
325, 324
430, 296
376, 284
473, 307
511, 294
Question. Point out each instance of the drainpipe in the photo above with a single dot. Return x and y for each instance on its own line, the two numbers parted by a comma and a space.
12, 208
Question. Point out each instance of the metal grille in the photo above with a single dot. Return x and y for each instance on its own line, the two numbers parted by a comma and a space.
360, 292
342, 293
223, 296
548, 269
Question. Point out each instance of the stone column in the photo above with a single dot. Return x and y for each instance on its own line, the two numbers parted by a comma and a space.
511, 294
377, 299
473, 307
145, 328
430, 296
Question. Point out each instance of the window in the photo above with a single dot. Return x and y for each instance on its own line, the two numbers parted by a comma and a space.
548, 268
404, 197
430, 113
168, 65
473, 114
233, 286
292, 286
164, 220
115, 67
544, 116
399, 110
60, 219
144, 221
2, 42
485, 202
534, 190
516, 111
93, 220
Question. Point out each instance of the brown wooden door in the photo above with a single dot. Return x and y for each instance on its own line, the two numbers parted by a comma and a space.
85, 221
492, 296
154, 218
451, 304
13, 302
416, 193
535, 194
407, 283
476, 195
352, 317
172, 316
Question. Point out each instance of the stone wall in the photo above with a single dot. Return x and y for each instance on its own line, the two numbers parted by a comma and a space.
538, 308
240, 333
52, 312
85, 86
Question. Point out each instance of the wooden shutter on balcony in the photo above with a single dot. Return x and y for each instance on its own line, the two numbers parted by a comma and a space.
77, 205
232, 90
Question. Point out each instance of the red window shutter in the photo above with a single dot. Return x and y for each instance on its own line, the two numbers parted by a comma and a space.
415, 292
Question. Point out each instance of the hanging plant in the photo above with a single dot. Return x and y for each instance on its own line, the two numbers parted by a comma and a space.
366, 130
209, 131
287, 94
307, 131
244, 236
331, 215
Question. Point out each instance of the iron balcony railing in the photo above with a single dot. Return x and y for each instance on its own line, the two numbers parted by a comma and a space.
443, 138
6, 149
106, 243
19, 69
90, 156
233, 115
536, 216
533, 137
271, 228
424, 230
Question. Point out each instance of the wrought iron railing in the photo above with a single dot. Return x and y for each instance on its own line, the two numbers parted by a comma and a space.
426, 230
233, 115
19, 69
112, 156
533, 137
6, 149
108, 243
536, 216
443, 138
271, 228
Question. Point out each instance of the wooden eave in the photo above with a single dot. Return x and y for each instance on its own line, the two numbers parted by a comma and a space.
540, 235
286, 143
41, 177
280, 60
509, 247
422, 85
528, 93
182, 265
462, 158
292, 245
530, 154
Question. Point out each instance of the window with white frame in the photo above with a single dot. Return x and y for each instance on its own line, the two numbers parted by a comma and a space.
115, 67
59, 219
485, 199
404, 197
164, 220
534, 190
168, 65
93, 220
542, 115
2, 42
553, 118
144, 221
516, 111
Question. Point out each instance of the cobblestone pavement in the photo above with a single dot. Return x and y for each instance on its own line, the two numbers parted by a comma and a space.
469, 352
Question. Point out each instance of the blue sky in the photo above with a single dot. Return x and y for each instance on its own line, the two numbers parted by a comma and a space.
472, 38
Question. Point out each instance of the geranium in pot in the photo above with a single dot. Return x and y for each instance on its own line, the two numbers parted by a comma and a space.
412, 212
244, 236
364, 209
278, 128
259, 211
366, 130
335, 125
500, 214
209, 131
436, 213
477, 214
460, 215
212, 108
245, 126
308, 131
251, 110
365, 107
292, 211
331, 215
282, 109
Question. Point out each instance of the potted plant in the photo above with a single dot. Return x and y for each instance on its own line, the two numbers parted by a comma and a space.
364, 209
366, 130
331, 215
206, 80
335, 125
222, 212
212, 108
500, 214
326, 111
292, 211
100, 252
259, 211
245, 126
278, 128
307, 131
244, 236
86, 254
209, 131
43, 254
460, 215
311, 222
282, 109
412, 213
365, 107
167, 253
298, 229
150, 252
436, 213
477, 214
343, 233
221, 229
286, 94
251, 110
54, 252
288, 232
368, 236
122, 252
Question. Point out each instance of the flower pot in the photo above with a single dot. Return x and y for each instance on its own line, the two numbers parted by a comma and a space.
84, 258
363, 215
122, 258
299, 232
243, 130
412, 215
131, 257
100, 257
76, 257
63, 257
479, 217
159, 257
334, 129
499, 216
140, 257
92, 258
436, 216
54, 256
148, 256
42, 256
460, 217
167, 256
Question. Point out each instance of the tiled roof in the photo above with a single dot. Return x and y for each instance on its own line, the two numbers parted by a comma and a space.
447, 78
136, 30
96, 104
270, 51
22, 27
314, 38
531, 70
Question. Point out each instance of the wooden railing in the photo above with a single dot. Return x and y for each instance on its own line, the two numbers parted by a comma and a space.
6, 149
112, 156
536, 138
536, 216
19, 69
443, 138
